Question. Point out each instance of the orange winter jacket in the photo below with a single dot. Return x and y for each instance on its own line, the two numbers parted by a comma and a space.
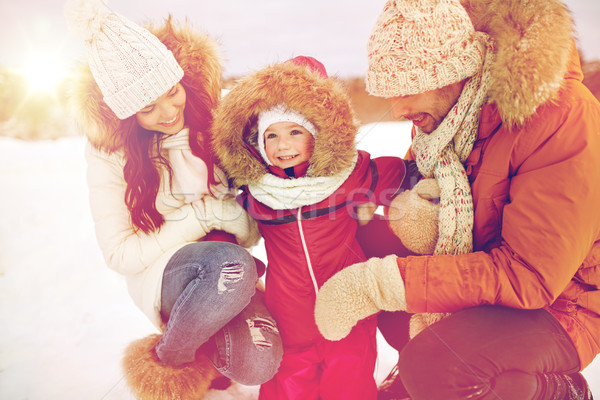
536, 194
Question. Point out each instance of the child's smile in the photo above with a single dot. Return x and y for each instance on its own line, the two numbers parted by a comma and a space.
288, 144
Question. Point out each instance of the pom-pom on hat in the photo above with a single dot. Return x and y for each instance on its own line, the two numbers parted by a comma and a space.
421, 45
130, 65
276, 114
311, 63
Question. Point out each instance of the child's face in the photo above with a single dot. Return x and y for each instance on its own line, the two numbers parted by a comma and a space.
165, 114
288, 144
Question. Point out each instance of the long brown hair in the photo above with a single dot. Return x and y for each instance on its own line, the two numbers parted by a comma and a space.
144, 161
198, 56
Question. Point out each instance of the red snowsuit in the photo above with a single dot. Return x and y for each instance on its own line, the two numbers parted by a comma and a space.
307, 239
305, 247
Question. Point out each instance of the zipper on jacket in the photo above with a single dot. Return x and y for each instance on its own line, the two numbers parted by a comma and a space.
306, 255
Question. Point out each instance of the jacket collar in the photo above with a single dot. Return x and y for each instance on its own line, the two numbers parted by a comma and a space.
537, 46
297, 171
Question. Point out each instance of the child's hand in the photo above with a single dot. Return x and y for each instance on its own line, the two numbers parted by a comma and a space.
364, 213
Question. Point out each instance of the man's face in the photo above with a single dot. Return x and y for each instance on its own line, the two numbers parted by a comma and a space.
427, 110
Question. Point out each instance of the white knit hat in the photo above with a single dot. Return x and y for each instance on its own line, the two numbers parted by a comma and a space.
130, 65
421, 45
275, 114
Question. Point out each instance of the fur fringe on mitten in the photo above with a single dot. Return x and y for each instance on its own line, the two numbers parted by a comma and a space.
418, 322
150, 379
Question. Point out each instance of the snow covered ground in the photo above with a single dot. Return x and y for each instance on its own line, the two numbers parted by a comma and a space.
65, 316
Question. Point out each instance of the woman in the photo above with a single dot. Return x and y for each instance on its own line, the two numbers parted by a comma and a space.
164, 215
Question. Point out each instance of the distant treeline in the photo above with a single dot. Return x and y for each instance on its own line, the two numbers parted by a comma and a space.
42, 115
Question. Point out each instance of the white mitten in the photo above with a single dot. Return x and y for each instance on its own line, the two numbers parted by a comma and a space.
414, 218
239, 223
227, 215
357, 292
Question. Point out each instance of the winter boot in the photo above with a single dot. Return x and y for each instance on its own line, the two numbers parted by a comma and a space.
150, 379
567, 387
392, 388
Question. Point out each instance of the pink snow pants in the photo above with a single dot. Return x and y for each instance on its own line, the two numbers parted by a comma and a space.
328, 370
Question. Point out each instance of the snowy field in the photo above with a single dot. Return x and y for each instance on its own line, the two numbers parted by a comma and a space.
66, 317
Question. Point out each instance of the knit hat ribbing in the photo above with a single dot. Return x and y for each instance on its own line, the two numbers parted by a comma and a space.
130, 65
421, 45
279, 114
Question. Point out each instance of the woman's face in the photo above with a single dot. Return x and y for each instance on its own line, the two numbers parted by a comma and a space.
164, 114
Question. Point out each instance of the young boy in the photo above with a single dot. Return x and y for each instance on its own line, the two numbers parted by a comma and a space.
286, 136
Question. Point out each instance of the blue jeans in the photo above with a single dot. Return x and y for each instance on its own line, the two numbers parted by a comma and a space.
208, 299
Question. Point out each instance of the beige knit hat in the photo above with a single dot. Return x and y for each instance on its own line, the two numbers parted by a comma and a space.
421, 45
130, 65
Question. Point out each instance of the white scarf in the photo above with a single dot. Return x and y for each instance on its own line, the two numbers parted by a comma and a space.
189, 173
441, 154
286, 194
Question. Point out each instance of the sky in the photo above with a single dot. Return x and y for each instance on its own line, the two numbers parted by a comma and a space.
252, 34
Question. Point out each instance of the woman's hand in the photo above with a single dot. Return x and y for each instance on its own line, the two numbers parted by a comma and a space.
227, 215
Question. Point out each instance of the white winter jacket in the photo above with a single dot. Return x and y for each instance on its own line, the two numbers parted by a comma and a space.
141, 258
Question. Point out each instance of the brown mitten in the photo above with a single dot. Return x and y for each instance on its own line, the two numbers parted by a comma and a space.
150, 379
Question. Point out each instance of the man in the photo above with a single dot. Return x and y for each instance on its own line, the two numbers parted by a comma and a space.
504, 124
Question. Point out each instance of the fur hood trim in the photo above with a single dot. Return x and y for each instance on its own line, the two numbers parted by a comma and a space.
323, 101
533, 40
196, 54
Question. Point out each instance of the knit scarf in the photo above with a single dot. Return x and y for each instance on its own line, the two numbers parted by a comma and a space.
189, 173
441, 154
286, 194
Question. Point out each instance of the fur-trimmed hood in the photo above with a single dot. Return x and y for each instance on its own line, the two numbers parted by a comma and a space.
323, 101
196, 54
533, 41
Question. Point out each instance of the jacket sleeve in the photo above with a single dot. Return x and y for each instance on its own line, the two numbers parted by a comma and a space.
124, 249
391, 176
549, 223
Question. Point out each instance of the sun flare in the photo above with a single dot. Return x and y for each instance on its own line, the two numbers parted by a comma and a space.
43, 74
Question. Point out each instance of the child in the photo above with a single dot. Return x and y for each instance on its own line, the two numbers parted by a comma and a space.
286, 135
144, 101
